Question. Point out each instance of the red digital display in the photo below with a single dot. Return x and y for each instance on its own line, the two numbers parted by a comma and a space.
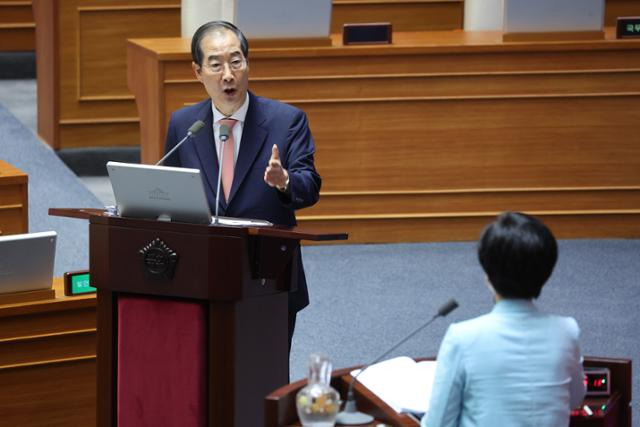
597, 382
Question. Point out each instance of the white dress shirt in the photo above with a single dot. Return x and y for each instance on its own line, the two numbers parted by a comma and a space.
240, 116
514, 367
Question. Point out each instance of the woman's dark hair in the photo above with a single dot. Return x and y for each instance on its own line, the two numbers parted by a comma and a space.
196, 53
518, 253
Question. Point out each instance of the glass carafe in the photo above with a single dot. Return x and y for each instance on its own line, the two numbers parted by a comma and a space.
318, 403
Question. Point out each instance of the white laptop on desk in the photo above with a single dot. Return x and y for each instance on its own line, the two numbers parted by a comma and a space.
26, 261
159, 192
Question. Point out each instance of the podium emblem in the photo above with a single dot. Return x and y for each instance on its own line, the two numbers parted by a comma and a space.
158, 260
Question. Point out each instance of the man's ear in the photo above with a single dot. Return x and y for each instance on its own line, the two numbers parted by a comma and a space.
197, 70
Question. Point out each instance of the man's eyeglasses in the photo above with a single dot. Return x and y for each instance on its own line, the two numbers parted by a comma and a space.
216, 67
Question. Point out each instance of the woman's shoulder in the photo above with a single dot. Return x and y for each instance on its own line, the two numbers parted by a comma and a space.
569, 324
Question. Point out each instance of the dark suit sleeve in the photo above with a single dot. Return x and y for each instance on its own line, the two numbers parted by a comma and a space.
170, 142
304, 180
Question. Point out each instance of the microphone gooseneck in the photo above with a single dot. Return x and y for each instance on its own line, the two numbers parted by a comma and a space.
223, 135
193, 129
350, 414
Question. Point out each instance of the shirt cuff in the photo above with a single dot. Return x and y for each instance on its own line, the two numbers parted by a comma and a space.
286, 186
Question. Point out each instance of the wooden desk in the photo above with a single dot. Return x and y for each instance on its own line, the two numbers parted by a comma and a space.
48, 362
17, 29
280, 406
14, 200
83, 99
428, 138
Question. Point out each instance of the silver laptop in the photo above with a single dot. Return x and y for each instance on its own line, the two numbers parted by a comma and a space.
26, 261
159, 192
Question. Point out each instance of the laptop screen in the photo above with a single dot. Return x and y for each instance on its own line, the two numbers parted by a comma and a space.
159, 192
26, 261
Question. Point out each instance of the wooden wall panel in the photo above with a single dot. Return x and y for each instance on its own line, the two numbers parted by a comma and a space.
615, 8
415, 85
89, 67
57, 394
48, 361
467, 143
17, 26
98, 133
376, 204
32, 349
431, 138
447, 215
83, 55
102, 58
465, 227
392, 61
404, 15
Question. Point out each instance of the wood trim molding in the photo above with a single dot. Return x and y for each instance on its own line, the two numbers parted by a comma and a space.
52, 362
480, 191
71, 122
17, 25
564, 226
126, 8
280, 43
459, 215
170, 81
553, 36
460, 98
26, 296
463, 203
16, 3
95, 98
448, 74
11, 207
50, 335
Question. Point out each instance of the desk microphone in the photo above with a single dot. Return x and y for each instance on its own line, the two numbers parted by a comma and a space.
224, 135
350, 414
195, 128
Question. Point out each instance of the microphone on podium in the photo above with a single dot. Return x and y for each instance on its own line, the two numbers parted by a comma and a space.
224, 135
350, 414
195, 128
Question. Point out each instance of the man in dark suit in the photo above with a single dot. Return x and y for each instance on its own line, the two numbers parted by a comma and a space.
268, 168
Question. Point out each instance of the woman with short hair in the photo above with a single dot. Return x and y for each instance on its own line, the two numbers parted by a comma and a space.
515, 366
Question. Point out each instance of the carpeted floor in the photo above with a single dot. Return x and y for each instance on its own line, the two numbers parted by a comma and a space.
365, 297
51, 184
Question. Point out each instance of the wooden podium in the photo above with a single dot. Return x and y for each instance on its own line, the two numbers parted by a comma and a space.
192, 319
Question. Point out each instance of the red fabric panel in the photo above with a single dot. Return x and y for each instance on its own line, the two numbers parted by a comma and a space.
161, 363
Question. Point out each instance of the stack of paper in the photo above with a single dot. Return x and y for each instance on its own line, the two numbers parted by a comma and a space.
401, 383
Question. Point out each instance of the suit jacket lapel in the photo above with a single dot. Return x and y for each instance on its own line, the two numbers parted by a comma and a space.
253, 138
206, 149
